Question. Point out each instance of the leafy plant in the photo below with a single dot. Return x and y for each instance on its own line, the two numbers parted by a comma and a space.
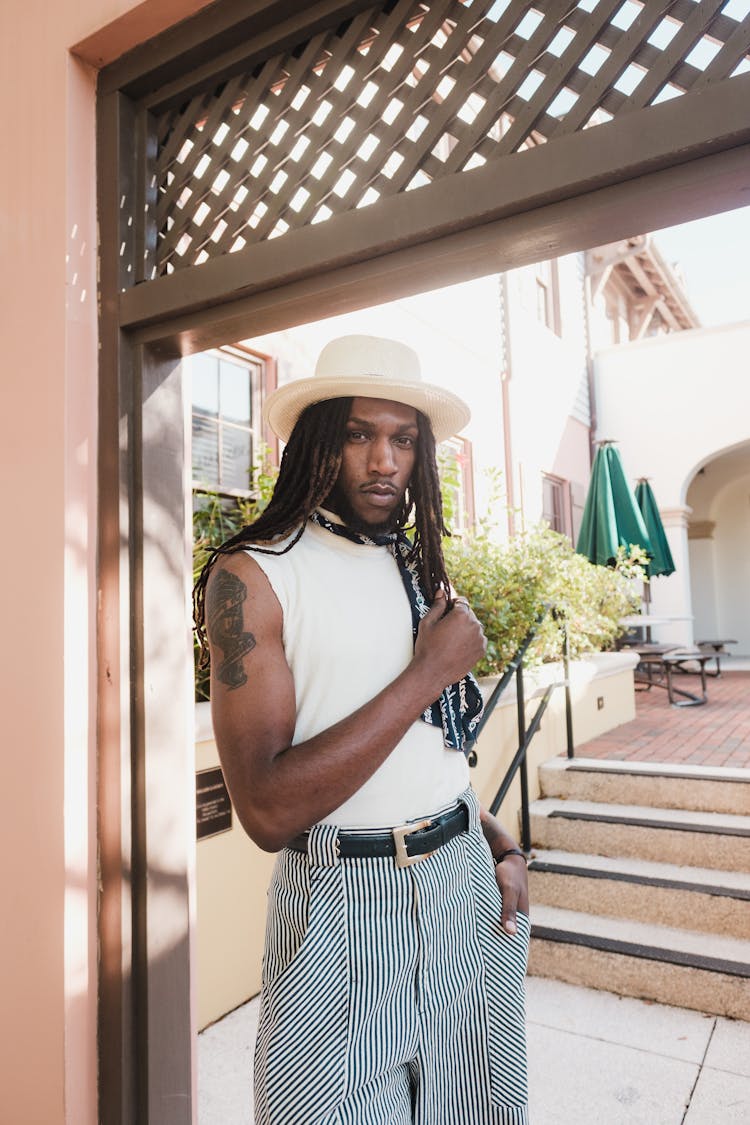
509, 584
215, 519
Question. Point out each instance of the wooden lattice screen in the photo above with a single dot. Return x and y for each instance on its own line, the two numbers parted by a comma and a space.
411, 91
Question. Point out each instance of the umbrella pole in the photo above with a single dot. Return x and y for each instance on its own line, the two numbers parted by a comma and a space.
647, 606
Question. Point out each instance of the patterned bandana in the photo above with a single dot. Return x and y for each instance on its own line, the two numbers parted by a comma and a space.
459, 708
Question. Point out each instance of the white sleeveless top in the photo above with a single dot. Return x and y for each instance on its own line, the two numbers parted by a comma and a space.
347, 634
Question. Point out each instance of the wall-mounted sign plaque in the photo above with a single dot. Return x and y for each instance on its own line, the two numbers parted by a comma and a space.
213, 809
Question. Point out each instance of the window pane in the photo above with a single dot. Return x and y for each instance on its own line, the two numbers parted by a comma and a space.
205, 372
236, 457
205, 450
554, 503
235, 392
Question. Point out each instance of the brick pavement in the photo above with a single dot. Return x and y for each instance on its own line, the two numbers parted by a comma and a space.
717, 734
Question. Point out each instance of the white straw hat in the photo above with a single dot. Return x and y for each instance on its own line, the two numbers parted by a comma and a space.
370, 367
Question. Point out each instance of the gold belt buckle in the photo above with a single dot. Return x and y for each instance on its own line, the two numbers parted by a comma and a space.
403, 859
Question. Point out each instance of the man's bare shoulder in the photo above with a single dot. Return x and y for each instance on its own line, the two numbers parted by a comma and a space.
242, 565
242, 612
240, 575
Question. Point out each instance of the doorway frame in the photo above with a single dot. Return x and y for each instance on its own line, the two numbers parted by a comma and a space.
611, 182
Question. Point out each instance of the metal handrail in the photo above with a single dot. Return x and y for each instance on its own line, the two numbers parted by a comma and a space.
526, 731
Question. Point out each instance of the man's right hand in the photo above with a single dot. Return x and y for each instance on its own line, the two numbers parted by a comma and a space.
449, 643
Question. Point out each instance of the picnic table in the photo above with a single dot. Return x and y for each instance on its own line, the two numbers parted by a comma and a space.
716, 650
658, 664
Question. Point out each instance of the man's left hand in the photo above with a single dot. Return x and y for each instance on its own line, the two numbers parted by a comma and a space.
513, 882
510, 872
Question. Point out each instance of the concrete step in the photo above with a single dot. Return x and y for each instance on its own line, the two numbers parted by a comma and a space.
699, 788
688, 969
665, 893
718, 841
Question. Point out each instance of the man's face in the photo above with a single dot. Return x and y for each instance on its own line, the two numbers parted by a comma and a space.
378, 457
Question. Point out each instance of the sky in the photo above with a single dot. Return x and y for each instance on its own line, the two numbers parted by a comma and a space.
713, 255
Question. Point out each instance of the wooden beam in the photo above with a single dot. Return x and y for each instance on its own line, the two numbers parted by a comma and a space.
674, 54
668, 315
733, 50
603, 260
217, 41
558, 74
651, 274
164, 736
623, 150
679, 296
120, 1064
680, 194
642, 316
641, 277
145, 1036
618, 60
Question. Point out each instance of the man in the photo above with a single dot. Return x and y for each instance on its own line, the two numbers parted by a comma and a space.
342, 705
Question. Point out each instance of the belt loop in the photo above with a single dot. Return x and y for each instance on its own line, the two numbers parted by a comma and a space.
323, 845
469, 798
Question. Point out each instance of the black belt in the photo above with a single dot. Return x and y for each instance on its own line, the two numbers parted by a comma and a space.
408, 843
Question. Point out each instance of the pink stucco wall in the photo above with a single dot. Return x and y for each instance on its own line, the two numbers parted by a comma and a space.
48, 449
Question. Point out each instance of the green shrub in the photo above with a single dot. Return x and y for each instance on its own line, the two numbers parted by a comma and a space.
509, 584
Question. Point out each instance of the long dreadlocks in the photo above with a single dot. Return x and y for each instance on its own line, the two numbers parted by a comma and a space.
308, 472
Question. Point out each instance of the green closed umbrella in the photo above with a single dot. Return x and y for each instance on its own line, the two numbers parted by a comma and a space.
661, 561
611, 517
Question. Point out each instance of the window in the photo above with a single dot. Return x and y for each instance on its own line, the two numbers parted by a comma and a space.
548, 295
556, 503
456, 483
227, 387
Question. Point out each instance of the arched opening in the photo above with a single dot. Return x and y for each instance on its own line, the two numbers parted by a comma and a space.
719, 547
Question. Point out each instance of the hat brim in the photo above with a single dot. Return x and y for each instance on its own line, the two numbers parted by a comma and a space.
447, 413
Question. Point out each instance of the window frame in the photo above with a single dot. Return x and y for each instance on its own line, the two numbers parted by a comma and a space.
547, 288
462, 449
561, 491
262, 371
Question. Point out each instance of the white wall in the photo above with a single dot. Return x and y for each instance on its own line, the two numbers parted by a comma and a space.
703, 588
719, 497
731, 511
673, 403
548, 389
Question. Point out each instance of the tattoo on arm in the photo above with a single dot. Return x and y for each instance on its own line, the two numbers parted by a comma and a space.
226, 594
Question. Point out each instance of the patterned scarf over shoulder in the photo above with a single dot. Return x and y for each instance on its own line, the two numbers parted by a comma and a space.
459, 708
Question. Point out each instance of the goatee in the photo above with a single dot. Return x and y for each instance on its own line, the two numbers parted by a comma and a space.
338, 503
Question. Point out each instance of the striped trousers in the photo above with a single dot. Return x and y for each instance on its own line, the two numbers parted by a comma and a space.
391, 996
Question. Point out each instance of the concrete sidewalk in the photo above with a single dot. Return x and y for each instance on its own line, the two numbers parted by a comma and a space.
594, 1059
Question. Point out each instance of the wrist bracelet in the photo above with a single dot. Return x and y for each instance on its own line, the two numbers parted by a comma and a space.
509, 851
